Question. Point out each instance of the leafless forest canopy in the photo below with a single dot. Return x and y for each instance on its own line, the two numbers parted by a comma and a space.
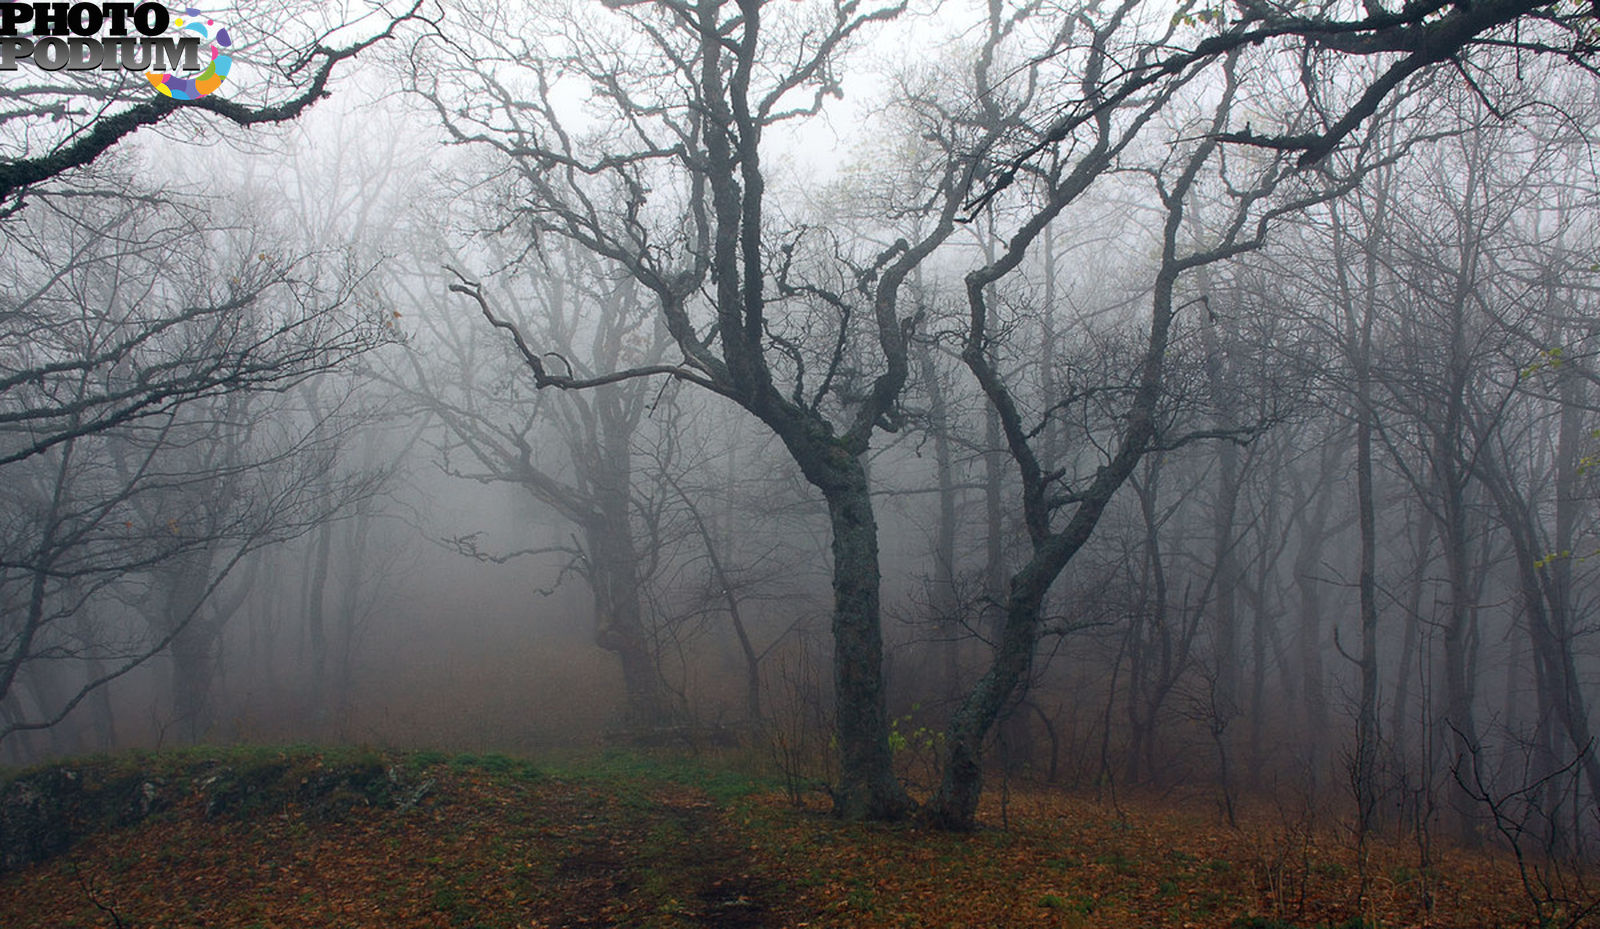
1117, 394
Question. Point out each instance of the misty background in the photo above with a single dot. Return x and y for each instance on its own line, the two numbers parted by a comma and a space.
268, 477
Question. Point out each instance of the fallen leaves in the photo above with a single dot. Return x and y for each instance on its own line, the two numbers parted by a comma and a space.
510, 849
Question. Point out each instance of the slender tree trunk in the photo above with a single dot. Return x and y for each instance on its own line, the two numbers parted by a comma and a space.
103, 712
730, 597
1574, 709
1359, 306
1225, 539
1544, 580
1145, 696
1458, 727
955, 805
1314, 693
943, 600
1413, 633
317, 623
40, 569
1365, 779
357, 533
1366, 761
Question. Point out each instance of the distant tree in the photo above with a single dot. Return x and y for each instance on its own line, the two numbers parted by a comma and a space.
575, 453
1476, 396
124, 374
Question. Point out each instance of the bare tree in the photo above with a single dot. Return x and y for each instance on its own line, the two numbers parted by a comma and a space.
799, 326
573, 453
1248, 206
1380, 49
105, 351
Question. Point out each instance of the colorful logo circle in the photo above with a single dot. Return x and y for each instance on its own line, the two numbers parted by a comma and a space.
194, 23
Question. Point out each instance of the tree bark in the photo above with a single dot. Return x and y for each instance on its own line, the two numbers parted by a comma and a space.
868, 788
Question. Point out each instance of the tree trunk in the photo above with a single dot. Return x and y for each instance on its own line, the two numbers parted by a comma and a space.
619, 620
192, 668
943, 600
1458, 727
955, 805
1314, 693
868, 787
316, 623
1398, 721
615, 565
193, 655
1365, 778
1224, 536
357, 533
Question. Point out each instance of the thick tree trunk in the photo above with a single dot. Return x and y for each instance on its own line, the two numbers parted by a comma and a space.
192, 670
619, 619
616, 567
994, 562
102, 713
193, 647
868, 787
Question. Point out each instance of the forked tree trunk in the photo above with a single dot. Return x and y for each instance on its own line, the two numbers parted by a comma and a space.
955, 805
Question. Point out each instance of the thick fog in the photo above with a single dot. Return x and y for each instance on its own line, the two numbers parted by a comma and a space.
1023, 388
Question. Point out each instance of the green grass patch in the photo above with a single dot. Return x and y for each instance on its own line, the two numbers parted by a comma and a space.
619, 767
1119, 863
494, 763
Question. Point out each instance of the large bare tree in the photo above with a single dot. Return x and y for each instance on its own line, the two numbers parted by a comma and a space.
664, 173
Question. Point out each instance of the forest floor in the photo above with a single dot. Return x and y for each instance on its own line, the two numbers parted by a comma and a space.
637, 841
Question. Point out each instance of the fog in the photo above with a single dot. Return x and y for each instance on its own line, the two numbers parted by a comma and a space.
1112, 396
